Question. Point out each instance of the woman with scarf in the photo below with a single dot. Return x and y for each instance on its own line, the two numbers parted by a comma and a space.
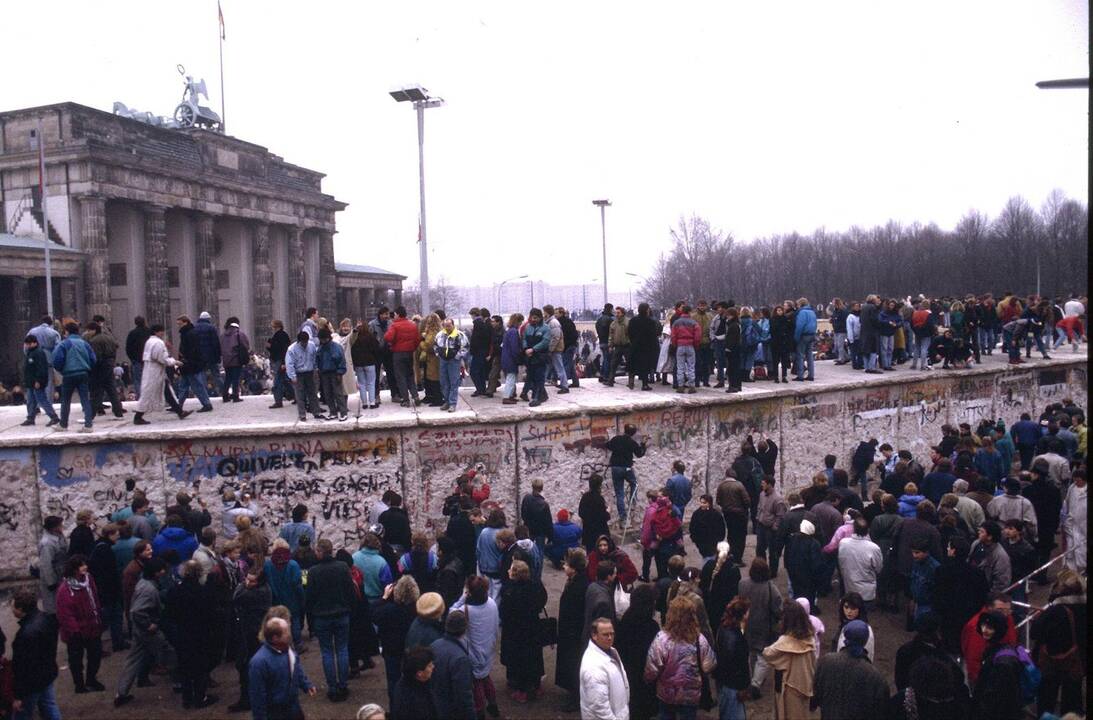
79, 615
286, 582
521, 601
606, 549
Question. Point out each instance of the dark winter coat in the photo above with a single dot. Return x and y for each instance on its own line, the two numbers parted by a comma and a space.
521, 602
633, 637
804, 564
781, 335
1047, 502
707, 529
34, 654
189, 350
396, 526
103, 566
414, 700
36, 368
189, 607
644, 344
134, 343
453, 679
393, 622
249, 608
594, 517
870, 324
911, 530
535, 513
603, 327
960, 591
570, 632
208, 340
718, 590
511, 351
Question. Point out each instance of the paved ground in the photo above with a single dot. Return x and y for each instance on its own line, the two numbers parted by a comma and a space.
251, 417
370, 686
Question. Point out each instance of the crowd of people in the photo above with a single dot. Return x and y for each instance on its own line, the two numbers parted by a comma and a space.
425, 359
950, 543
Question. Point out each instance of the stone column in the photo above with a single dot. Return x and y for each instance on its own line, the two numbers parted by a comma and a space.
398, 297
156, 297
328, 281
95, 244
263, 282
68, 298
297, 280
363, 304
205, 249
21, 305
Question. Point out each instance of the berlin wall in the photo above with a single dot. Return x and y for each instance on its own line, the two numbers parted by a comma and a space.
338, 475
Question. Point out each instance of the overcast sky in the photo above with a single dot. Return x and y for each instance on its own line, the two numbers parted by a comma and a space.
763, 117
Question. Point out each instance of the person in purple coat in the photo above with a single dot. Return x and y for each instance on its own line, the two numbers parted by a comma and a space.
511, 351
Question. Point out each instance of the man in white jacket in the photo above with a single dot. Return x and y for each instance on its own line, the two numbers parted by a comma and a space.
860, 562
605, 691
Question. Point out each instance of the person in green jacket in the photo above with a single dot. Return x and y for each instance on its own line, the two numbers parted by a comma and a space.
36, 380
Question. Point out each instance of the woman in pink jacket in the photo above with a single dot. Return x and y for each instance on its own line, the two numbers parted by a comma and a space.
79, 616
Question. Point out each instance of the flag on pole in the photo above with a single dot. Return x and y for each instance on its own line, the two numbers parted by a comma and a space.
220, 16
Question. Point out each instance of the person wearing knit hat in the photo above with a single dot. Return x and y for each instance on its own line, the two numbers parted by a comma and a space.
804, 563
427, 626
846, 685
567, 535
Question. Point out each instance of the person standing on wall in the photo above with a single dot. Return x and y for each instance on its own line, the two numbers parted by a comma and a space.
624, 448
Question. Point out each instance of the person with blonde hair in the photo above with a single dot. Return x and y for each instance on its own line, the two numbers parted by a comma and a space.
427, 361
393, 616
342, 337
678, 659
371, 711
793, 655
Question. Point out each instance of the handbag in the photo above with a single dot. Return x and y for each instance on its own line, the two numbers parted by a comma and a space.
1067, 665
622, 601
547, 630
705, 700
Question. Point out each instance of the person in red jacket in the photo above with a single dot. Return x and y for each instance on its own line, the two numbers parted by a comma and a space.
402, 338
686, 336
607, 550
972, 644
79, 615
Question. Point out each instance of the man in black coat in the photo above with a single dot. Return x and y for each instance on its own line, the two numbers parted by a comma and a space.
104, 568
870, 322
599, 599
329, 600
193, 520
535, 512
791, 523
480, 341
192, 372
1047, 501
707, 527
33, 658
134, 350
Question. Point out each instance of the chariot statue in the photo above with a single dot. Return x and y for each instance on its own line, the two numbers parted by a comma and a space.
190, 112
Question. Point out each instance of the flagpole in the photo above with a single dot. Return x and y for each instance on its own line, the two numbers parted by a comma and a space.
223, 115
45, 218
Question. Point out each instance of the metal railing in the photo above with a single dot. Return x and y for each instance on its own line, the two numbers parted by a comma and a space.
1034, 610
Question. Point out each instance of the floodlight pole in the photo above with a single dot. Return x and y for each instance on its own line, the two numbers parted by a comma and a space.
603, 204
423, 247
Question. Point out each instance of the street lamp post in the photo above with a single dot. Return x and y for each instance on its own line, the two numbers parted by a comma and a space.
639, 277
603, 205
502, 287
421, 100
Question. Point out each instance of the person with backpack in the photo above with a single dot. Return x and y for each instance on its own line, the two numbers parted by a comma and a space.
1004, 676
667, 528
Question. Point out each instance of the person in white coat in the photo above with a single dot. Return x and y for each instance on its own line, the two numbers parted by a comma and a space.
860, 562
1074, 519
154, 394
605, 691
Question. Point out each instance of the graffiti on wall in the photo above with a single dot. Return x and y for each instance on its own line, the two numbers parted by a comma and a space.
442, 454
19, 516
873, 412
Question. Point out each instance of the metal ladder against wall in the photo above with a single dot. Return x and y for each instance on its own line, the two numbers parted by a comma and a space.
1025, 625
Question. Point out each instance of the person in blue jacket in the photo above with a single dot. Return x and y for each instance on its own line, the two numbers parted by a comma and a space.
277, 675
678, 488
330, 362
1025, 434
536, 351
567, 534
175, 537
208, 343
804, 334
74, 358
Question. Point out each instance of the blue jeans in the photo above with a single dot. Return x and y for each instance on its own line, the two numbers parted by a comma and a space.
840, 347
605, 360
618, 475
558, 363
79, 384
535, 383
805, 355
449, 381
1036, 337
479, 372
508, 390
921, 351
275, 368
870, 361
677, 712
195, 382
887, 344
37, 398
366, 384
685, 365
718, 347
333, 633
46, 702
728, 707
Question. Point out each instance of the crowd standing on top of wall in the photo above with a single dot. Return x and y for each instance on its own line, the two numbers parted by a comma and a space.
424, 360
950, 542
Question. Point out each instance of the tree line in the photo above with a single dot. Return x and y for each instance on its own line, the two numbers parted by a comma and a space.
981, 254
